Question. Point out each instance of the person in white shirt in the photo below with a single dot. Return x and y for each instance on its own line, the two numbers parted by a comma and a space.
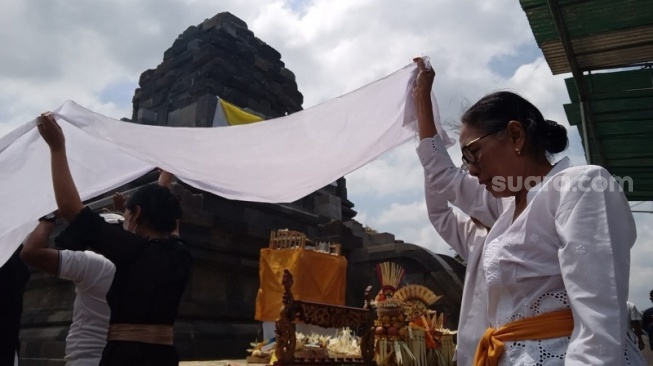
92, 275
635, 325
466, 236
647, 321
548, 284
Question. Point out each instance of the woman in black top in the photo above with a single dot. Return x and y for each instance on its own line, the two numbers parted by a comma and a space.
152, 268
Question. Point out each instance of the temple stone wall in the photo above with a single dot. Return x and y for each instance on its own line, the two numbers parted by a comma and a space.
216, 316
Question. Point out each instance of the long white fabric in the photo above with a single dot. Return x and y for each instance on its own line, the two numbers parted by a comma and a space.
279, 160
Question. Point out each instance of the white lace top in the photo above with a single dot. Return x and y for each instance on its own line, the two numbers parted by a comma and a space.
567, 249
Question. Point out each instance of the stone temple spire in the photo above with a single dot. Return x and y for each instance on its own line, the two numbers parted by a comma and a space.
222, 58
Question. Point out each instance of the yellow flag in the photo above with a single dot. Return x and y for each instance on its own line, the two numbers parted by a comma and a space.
237, 116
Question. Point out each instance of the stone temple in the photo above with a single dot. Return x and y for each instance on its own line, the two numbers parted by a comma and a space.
222, 58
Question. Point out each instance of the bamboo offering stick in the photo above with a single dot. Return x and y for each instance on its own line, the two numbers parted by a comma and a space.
390, 274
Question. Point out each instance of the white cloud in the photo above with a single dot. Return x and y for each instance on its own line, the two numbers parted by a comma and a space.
641, 270
401, 214
59, 50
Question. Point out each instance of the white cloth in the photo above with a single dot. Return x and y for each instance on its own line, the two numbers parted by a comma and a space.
219, 119
92, 274
581, 238
278, 160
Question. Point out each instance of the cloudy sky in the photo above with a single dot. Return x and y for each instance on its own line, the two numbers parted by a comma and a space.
93, 52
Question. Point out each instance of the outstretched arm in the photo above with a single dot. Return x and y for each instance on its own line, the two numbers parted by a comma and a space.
36, 252
165, 180
65, 192
443, 178
422, 97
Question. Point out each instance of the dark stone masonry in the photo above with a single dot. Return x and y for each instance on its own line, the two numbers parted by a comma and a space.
221, 57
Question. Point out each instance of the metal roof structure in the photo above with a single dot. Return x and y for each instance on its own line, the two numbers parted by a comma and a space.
607, 46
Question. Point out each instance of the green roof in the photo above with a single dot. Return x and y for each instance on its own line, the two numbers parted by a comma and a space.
602, 33
621, 105
612, 108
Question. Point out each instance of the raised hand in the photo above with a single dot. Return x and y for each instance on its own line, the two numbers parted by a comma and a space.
422, 99
165, 178
51, 132
119, 202
424, 80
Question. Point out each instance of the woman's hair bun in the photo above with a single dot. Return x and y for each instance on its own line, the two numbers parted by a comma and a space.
556, 134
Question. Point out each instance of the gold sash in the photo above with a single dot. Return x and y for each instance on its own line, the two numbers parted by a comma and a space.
544, 326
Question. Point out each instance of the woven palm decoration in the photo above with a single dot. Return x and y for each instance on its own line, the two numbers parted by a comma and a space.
421, 293
390, 275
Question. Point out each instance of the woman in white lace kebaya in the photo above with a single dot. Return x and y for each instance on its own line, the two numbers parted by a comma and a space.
549, 282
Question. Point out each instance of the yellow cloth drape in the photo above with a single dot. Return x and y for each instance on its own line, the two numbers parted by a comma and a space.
550, 325
237, 116
318, 277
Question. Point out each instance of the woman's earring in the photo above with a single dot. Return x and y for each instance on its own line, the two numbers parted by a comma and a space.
518, 152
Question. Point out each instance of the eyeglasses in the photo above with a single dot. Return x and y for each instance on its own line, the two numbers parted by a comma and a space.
468, 156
